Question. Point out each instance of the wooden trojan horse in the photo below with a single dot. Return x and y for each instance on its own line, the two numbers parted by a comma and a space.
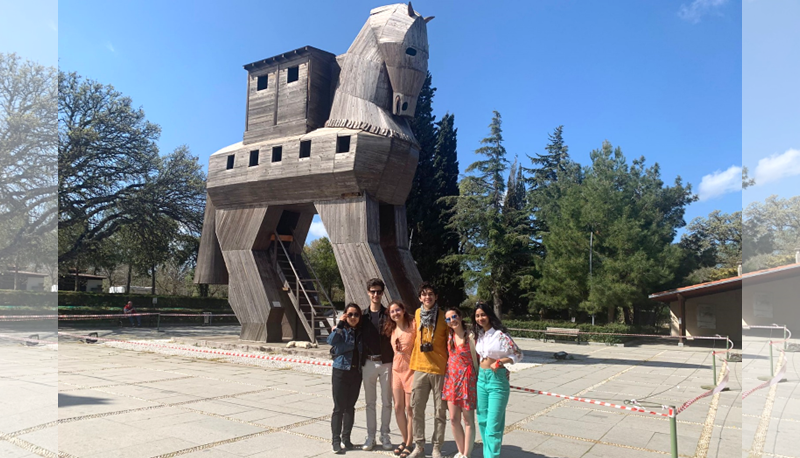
329, 135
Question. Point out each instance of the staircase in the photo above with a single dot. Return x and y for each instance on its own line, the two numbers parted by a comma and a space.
304, 289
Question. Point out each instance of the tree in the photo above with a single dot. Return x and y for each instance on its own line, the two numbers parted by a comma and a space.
320, 256
771, 232
477, 217
111, 174
715, 246
28, 168
436, 177
632, 218
746, 180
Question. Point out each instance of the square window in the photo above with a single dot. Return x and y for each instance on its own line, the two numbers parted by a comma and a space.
253, 158
263, 82
277, 152
230, 161
292, 74
343, 144
305, 148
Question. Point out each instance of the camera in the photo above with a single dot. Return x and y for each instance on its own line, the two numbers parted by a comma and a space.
427, 346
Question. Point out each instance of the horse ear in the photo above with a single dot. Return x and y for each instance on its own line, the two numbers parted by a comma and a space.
411, 10
429, 19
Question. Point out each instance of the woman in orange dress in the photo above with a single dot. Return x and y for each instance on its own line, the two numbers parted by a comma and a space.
402, 332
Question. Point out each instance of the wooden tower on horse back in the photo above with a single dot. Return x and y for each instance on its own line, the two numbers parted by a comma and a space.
325, 135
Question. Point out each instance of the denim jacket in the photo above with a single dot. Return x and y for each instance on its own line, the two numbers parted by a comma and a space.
344, 341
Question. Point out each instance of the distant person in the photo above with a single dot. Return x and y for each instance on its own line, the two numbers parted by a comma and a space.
402, 332
429, 361
495, 349
377, 365
130, 311
346, 348
460, 381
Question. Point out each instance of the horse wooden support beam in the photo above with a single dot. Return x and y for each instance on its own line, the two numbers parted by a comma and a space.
355, 172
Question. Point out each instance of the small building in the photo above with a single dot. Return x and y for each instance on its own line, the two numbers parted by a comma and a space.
28, 281
86, 282
724, 307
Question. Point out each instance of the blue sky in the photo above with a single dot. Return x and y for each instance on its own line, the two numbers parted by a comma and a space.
659, 79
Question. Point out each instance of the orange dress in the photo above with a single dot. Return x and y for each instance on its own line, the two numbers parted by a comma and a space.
403, 344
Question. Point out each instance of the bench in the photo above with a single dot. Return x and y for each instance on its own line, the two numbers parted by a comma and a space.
564, 332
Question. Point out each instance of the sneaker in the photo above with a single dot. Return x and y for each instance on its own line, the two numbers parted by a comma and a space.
369, 444
437, 452
386, 442
337, 448
347, 445
419, 452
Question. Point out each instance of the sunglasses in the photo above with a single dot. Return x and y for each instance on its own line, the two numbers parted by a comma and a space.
353, 315
376, 291
452, 318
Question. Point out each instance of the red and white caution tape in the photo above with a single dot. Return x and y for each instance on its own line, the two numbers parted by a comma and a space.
670, 411
103, 316
205, 350
773, 381
212, 315
720, 386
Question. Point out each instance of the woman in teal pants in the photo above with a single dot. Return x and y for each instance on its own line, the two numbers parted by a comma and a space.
495, 349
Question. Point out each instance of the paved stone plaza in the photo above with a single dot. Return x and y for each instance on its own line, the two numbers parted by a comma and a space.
771, 415
164, 400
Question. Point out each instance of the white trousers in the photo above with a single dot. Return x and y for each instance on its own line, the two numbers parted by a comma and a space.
373, 373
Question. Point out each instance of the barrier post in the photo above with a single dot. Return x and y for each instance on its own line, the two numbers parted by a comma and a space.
771, 364
714, 366
158, 322
784, 338
673, 432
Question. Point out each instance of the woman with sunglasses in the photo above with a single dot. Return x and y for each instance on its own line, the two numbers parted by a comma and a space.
402, 332
345, 342
460, 382
495, 349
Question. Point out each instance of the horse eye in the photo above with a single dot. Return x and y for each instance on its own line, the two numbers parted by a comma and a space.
411, 51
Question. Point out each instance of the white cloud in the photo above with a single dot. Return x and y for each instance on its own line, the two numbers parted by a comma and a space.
110, 47
317, 230
777, 166
699, 8
719, 183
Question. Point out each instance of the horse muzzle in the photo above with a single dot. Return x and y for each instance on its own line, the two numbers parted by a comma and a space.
404, 105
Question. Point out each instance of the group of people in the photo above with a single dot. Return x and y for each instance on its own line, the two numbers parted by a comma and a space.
431, 354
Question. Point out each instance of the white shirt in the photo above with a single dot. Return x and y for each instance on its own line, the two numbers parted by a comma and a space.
496, 344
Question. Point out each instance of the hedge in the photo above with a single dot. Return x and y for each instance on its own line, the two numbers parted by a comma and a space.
614, 328
79, 300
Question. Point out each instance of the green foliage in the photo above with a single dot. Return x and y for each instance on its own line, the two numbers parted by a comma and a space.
111, 176
320, 256
436, 179
28, 169
771, 232
492, 224
633, 218
713, 246
117, 301
613, 328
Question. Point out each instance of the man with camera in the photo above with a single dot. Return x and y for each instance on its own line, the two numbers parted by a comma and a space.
429, 362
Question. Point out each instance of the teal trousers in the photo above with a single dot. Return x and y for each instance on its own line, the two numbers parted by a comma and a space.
492, 401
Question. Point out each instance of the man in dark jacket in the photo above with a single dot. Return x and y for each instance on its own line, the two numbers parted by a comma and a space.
377, 360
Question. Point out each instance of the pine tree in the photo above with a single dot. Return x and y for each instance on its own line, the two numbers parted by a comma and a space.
632, 218
478, 218
427, 213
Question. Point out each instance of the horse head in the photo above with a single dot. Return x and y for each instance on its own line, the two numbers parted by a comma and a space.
402, 37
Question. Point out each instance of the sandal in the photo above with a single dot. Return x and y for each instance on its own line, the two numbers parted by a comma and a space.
399, 450
406, 451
